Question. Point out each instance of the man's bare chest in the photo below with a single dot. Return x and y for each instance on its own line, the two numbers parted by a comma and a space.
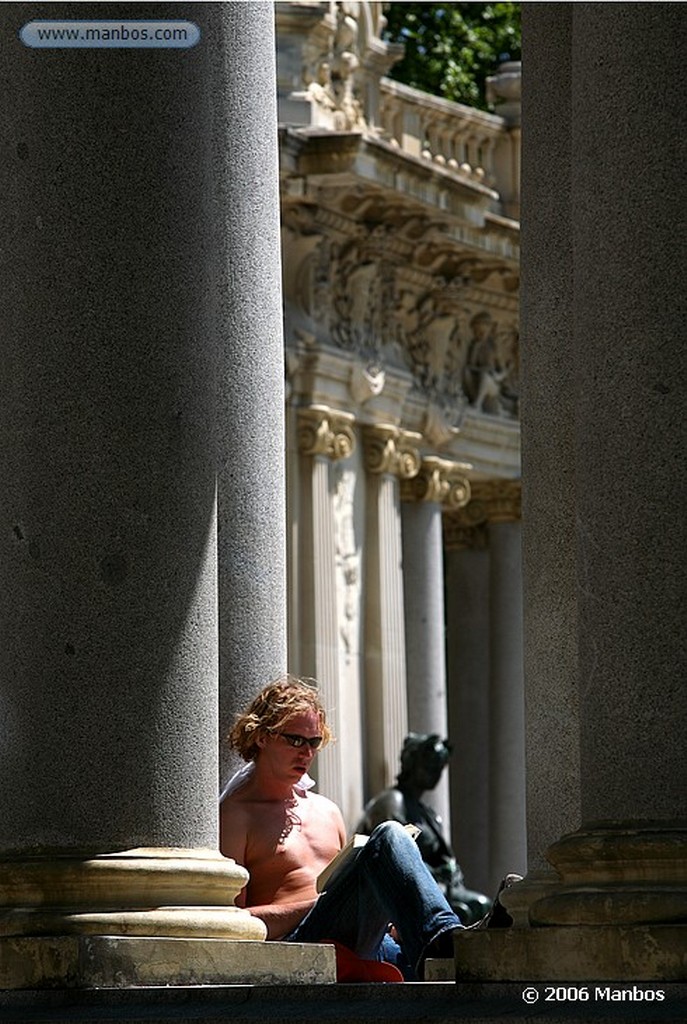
291, 836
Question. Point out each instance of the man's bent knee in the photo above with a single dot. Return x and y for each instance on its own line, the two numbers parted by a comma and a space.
391, 833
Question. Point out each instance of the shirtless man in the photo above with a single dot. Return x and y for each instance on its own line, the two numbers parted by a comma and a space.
273, 825
284, 834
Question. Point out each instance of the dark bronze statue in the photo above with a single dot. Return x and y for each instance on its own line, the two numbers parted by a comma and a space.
423, 759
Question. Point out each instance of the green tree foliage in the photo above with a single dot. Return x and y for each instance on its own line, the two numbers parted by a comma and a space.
450, 49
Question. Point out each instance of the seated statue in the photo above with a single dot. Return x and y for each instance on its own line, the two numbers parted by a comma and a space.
423, 759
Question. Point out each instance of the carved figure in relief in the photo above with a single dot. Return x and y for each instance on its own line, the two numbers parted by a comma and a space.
320, 88
431, 339
423, 759
510, 385
345, 62
483, 372
347, 558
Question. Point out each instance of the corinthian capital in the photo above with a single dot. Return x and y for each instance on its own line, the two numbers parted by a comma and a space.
322, 431
491, 501
439, 480
390, 450
500, 500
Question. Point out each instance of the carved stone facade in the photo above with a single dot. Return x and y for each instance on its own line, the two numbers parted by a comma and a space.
400, 273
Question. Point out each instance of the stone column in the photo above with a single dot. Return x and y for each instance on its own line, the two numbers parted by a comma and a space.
467, 651
252, 502
323, 437
492, 518
549, 491
508, 831
389, 457
616, 910
109, 869
438, 484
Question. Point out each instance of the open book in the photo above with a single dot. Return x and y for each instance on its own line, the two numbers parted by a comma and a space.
349, 852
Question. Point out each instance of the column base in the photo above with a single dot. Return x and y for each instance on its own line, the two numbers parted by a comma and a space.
115, 961
614, 909
580, 953
154, 892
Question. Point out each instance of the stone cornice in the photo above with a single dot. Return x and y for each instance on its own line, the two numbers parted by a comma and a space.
325, 432
391, 451
441, 481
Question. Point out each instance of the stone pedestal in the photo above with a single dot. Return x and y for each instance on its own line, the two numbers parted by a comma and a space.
87, 962
613, 907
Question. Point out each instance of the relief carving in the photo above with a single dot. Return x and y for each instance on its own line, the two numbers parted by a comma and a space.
332, 59
428, 328
347, 558
366, 381
491, 377
381, 311
353, 290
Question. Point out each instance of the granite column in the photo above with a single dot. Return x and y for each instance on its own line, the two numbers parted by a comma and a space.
252, 494
109, 869
615, 909
508, 832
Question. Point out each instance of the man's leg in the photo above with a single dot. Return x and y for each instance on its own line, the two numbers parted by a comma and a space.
387, 882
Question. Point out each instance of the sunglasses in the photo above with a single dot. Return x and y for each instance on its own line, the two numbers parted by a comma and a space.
294, 740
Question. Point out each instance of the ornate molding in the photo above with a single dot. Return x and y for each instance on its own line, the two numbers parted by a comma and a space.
458, 537
323, 431
500, 500
390, 450
492, 501
366, 381
602, 866
441, 481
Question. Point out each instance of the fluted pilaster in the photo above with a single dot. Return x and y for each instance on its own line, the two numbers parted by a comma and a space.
324, 436
390, 456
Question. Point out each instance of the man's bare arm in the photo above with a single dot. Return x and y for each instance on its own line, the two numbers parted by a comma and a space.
281, 918
232, 840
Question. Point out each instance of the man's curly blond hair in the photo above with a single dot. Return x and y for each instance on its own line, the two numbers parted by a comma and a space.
271, 709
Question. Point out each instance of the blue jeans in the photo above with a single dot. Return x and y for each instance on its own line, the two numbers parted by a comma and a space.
387, 882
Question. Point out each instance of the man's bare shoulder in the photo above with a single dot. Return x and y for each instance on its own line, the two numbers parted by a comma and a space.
322, 802
320, 810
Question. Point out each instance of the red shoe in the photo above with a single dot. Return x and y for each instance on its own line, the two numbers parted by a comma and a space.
352, 968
